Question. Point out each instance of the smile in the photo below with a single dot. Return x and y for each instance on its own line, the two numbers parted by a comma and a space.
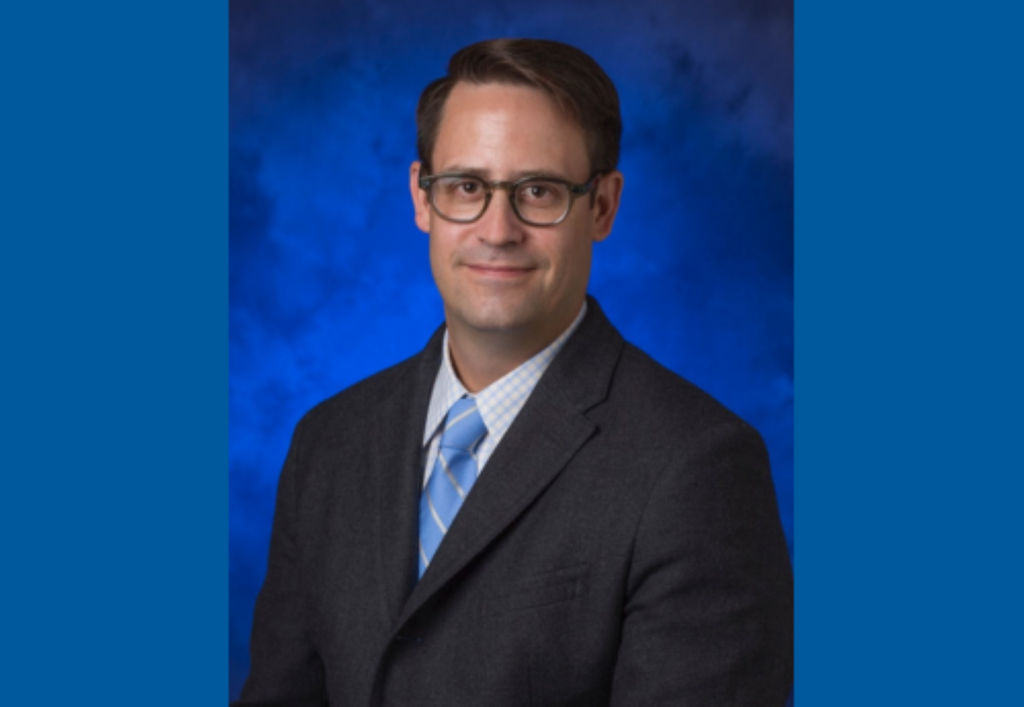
499, 271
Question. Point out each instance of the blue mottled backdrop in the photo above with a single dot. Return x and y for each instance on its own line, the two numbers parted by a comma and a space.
329, 278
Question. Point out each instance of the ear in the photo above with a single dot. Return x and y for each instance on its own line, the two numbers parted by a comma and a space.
606, 203
420, 200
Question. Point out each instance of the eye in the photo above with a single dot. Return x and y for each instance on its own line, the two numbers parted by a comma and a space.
461, 188
539, 193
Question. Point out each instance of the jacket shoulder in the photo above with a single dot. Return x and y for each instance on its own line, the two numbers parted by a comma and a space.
662, 401
348, 408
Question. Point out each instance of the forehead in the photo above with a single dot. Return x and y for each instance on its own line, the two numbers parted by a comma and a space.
503, 129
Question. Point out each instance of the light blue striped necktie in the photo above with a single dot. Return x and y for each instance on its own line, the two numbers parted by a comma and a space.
452, 478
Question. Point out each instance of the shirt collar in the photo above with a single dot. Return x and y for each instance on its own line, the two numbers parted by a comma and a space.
509, 391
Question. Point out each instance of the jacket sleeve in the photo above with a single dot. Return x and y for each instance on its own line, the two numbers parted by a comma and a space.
708, 618
286, 669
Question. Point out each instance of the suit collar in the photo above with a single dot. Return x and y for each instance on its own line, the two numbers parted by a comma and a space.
583, 371
547, 433
397, 467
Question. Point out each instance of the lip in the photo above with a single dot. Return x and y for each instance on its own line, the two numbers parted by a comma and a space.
505, 272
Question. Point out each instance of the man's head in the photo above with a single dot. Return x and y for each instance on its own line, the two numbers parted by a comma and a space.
512, 109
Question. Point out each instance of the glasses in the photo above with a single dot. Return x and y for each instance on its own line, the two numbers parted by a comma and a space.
537, 201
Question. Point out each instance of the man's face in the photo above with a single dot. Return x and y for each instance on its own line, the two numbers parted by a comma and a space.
498, 273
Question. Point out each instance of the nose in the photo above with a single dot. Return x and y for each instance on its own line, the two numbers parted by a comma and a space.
499, 226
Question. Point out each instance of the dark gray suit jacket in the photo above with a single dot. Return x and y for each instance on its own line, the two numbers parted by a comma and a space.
622, 546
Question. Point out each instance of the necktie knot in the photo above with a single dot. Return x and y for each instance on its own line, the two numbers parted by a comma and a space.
464, 426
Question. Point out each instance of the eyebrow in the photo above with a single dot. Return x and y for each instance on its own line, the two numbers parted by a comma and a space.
486, 174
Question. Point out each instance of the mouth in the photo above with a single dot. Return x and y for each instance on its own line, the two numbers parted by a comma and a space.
494, 270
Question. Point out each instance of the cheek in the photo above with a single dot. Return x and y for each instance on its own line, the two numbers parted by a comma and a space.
441, 251
573, 262
436, 259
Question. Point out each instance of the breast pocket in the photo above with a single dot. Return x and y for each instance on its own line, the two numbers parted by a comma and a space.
539, 590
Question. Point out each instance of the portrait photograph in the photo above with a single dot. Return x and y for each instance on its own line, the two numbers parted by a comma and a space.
340, 235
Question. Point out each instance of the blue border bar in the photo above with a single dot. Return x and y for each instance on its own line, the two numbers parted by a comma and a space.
113, 284
909, 323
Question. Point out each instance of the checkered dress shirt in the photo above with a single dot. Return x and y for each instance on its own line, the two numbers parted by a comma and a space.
498, 403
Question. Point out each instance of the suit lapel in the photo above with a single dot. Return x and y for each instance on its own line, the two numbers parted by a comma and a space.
398, 472
547, 433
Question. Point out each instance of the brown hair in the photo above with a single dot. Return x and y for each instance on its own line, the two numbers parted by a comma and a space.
573, 79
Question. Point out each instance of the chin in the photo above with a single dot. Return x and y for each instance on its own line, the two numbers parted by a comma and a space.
498, 316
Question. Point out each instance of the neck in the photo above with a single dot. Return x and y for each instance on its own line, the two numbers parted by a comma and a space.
482, 357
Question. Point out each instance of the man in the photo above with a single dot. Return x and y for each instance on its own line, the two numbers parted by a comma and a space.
530, 511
